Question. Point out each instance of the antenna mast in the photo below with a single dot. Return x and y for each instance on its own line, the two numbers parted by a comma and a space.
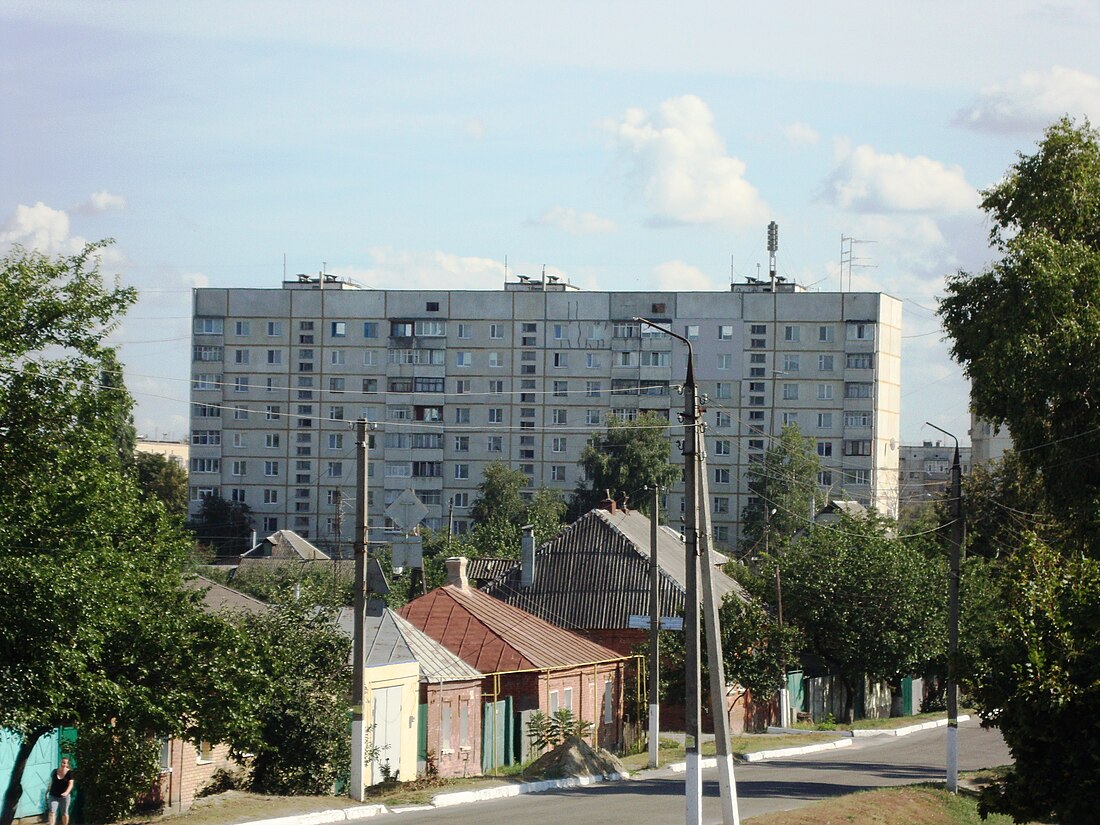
773, 247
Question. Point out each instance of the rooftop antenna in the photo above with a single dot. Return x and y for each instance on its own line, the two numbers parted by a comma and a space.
733, 271
321, 277
773, 247
284, 266
506, 268
849, 260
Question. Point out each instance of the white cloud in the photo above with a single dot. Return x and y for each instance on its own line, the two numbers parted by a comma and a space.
408, 269
680, 166
801, 134
474, 127
874, 182
102, 201
574, 222
41, 228
1032, 101
677, 275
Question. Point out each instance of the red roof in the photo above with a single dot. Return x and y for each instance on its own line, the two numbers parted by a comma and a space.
493, 636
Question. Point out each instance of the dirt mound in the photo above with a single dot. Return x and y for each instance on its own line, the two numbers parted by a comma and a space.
573, 757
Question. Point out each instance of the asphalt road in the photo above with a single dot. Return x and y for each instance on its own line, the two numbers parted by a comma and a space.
658, 796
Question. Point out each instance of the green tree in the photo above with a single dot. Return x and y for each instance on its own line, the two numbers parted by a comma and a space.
785, 483
499, 495
303, 740
162, 478
629, 456
224, 527
500, 512
1027, 329
756, 649
869, 605
90, 576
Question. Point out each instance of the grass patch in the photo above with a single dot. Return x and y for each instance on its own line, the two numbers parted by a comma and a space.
889, 806
883, 723
672, 752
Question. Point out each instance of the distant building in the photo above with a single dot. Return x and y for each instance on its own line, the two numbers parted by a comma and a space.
924, 471
987, 442
177, 451
454, 379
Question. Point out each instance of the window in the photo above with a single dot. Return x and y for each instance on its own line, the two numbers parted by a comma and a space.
824, 392
271, 468
758, 329
462, 471
625, 359
790, 392
724, 360
721, 419
725, 332
430, 329
495, 444
561, 389
592, 360
559, 332
427, 385
857, 389
561, 359
721, 504
721, 475
557, 472
462, 443
240, 383
240, 356
791, 363
857, 419
337, 385
208, 326
608, 703
860, 331
592, 417
559, 416
462, 415
208, 381
825, 449
206, 465
335, 469
825, 478
274, 356
271, 441
790, 418
860, 446
464, 359
825, 421
272, 412
370, 385
431, 306
825, 363
496, 386
336, 441
722, 447
242, 328
370, 329
305, 326
496, 331
723, 389
756, 444
825, 334
655, 359
336, 413
792, 334
274, 328
271, 523
756, 415
239, 468
558, 444
496, 415
691, 332
496, 359
859, 477
860, 361
721, 533
206, 437
240, 413
624, 330
337, 357
592, 389
338, 329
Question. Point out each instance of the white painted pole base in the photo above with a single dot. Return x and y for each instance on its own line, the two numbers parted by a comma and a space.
358, 780
728, 790
693, 790
654, 734
953, 758
784, 708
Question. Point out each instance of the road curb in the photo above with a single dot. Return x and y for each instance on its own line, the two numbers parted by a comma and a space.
761, 756
871, 732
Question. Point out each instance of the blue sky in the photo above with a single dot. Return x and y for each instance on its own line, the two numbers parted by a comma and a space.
623, 145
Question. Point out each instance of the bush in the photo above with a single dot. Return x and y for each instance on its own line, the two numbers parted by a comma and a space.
547, 732
117, 766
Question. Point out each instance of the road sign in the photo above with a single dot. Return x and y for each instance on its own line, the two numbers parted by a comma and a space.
407, 511
407, 552
666, 623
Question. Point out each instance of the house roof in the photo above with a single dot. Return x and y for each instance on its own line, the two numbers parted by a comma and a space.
595, 573
285, 544
488, 569
217, 598
496, 637
392, 640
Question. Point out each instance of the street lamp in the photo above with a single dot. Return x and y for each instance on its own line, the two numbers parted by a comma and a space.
953, 619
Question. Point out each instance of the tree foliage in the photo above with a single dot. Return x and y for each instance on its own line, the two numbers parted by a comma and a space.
1027, 329
90, 593
224, 527
756, 649
869, 604
630, 456
785, 483
500, 512
161, 478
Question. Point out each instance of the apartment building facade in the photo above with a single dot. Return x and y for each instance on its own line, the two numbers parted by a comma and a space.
452, 380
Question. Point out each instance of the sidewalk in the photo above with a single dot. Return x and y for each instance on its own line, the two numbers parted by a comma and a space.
446, 800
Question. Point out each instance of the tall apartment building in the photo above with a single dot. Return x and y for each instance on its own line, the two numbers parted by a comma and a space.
455, 379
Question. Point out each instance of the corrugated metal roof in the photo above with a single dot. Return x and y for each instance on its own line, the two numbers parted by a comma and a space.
494, 636
437, 664
217, 598
595, 574
386, 644
485, 570
285, 544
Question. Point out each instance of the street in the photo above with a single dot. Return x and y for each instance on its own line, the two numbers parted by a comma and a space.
762, 787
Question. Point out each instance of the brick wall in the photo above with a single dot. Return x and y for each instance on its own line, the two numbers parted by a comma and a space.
453, 757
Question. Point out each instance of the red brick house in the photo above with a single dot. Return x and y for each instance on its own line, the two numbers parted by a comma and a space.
529, 664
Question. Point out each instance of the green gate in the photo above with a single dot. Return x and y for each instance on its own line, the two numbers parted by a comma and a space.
45, 756
497, 747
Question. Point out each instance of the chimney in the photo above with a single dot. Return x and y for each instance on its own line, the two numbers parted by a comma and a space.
456, 572
607, 503
527, 556
622, 500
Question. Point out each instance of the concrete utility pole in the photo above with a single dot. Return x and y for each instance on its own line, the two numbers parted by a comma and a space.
357, 782
727, 786
693, 777
953, 619
654, 644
